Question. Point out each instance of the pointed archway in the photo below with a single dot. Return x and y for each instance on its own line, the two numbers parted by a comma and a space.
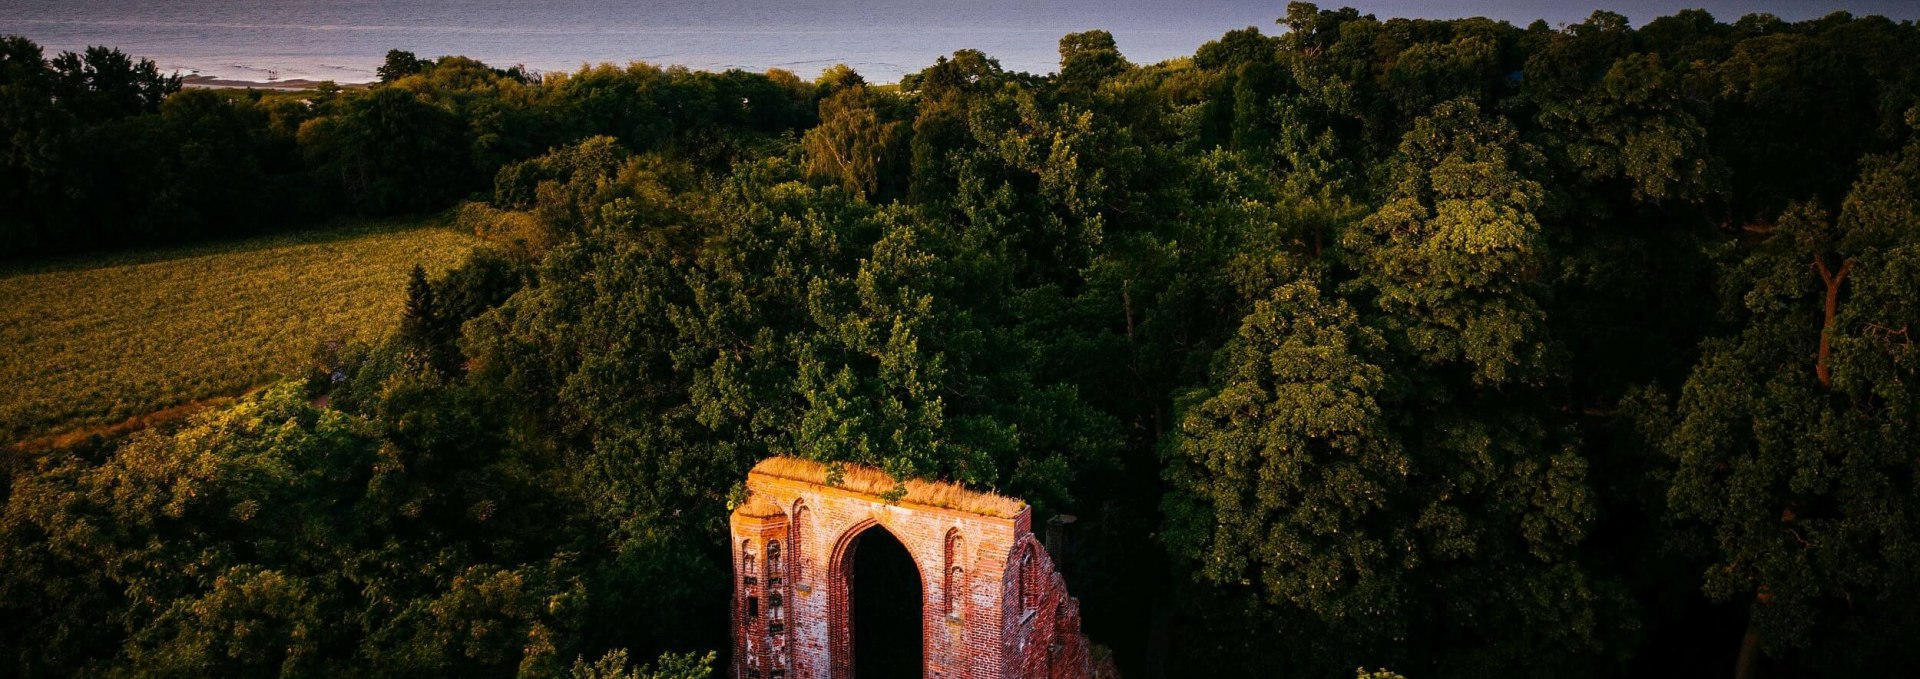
885, 603
881, 601
836, 573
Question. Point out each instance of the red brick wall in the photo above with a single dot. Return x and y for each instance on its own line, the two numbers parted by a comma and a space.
763, 596
993, 607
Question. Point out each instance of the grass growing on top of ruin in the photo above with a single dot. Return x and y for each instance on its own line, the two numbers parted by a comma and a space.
89, 342
873, 481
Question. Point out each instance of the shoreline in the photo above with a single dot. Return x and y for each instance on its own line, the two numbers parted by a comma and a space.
208, 82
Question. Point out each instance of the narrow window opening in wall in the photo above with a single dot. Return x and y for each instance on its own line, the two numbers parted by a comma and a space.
753, 607
1024, 586
796, 560
954, 588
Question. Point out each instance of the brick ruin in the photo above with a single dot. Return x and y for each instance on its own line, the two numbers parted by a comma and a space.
992, 605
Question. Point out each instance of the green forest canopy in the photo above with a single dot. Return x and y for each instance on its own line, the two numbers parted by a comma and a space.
1454, 347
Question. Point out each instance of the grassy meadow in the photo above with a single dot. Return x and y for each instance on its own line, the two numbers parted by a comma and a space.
89, 342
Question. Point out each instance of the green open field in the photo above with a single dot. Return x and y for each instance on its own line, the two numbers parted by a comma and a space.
90, 342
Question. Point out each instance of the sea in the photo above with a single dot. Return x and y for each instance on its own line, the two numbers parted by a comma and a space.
344, 40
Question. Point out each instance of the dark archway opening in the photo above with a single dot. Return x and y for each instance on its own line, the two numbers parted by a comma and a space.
884, 585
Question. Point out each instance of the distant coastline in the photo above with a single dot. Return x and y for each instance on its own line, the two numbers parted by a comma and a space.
262, 44
290, 85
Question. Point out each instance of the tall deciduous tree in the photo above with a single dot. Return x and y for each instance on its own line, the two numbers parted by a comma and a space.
104, 83
1451, 261
400, 64
854, 145
1793, 439
1287, 472
1620, 116
1087, 59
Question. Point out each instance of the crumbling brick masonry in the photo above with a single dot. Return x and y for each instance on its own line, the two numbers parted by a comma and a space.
993, 607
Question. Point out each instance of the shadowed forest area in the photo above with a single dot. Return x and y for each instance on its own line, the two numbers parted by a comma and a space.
1457, 348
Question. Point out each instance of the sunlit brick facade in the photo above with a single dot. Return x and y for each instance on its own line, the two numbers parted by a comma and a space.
992, 605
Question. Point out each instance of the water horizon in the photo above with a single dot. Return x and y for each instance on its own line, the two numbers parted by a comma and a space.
345, 40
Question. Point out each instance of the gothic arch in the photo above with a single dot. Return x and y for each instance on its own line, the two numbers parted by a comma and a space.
991, 604
840, 595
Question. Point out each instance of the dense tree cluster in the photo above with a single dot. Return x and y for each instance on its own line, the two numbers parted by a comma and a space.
1455, 347
99, 150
